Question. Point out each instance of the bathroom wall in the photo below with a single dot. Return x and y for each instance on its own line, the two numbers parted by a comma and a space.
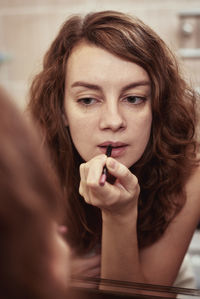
27, 28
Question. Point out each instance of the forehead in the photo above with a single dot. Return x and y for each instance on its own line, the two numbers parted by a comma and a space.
92, 62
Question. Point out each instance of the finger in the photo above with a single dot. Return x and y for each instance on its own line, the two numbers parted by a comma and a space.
90, 173
124, 177
95, 170
83, 177
83, 172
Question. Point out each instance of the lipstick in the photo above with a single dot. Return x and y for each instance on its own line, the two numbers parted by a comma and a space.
105, 170
109, 150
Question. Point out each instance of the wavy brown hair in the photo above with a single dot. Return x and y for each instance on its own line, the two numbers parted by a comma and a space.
29, 205
170, 154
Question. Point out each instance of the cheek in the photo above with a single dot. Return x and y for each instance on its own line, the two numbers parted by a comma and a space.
143, 132
81, 133
147, 123
146, 130
81, 126
80, 130
142, 124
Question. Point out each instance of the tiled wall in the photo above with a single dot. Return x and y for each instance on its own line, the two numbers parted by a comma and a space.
27, 27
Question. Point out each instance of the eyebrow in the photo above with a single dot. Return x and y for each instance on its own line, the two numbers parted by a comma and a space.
99, 88
86, 84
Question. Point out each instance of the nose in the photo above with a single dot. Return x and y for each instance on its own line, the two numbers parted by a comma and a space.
112, 117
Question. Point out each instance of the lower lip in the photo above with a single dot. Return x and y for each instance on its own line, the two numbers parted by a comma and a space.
116, 151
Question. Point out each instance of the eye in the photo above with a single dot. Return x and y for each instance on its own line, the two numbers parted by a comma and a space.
87, 101
135, 100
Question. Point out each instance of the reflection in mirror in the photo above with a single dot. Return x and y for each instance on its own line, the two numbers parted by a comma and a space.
171, 133
115, 83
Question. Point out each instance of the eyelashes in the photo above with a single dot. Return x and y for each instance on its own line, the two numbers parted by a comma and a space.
133, 100
87, 101
136, 100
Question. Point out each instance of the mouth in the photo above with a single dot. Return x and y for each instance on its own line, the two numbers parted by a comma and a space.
118, 148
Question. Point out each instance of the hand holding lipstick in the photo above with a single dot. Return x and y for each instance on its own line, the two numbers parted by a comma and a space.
120, 196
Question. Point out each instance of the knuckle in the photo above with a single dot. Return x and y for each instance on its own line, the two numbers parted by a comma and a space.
109, 204
84, 167
136, 187
124, 171
80, 190
92, 185
135, 181
87, 199
81, 167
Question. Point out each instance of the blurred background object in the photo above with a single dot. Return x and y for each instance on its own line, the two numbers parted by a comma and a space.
189, 42
4, 57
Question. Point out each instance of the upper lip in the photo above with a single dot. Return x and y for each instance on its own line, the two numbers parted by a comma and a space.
112, 143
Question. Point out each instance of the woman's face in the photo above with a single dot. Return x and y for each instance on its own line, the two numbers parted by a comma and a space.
107, 101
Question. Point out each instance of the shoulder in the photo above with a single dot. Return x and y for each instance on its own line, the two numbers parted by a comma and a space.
189, 216
192, 189
193, 180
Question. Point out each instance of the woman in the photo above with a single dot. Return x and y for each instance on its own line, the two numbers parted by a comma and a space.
108, 79
34, 257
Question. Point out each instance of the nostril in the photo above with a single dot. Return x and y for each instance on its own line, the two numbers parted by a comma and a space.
112, 122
